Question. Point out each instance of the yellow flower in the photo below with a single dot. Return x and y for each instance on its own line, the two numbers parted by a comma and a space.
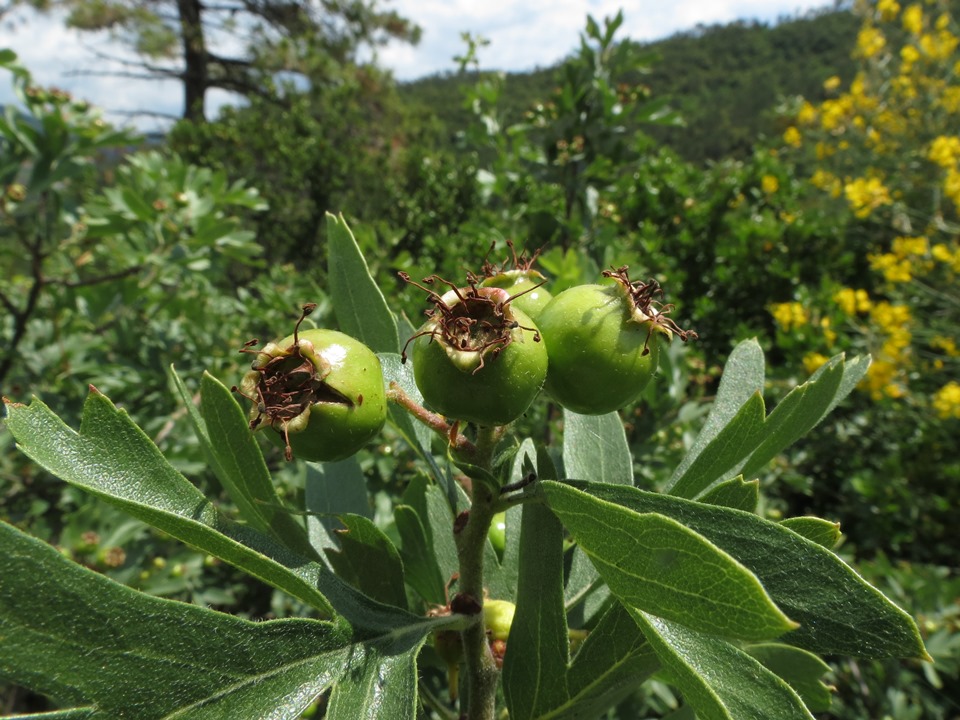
908, 56
769, 184
870, 42
888, 9
880, 380
828, 334
946, 401
791, 136
831, 83
912, 19
939, 46
890, 317
852, 301
864, 195
807, 113
947, 344
904, 247
944, 150
812, 361
950, 99
942, 253
790, 315
893, 268
951, 186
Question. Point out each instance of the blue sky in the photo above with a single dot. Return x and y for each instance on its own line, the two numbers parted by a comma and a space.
524, 34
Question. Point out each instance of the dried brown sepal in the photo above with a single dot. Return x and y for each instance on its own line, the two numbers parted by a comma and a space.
468, 319
646, 306
288, 382
515, 262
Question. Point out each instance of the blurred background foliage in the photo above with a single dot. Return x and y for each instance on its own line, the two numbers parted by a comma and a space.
798, 183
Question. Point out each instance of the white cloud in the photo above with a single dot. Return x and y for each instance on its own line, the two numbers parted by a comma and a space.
524, 34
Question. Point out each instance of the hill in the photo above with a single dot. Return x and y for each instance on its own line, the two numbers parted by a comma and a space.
725, 80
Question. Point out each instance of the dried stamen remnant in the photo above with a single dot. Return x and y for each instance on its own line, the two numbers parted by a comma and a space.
646, 308
285, 382
515, 263
470, 320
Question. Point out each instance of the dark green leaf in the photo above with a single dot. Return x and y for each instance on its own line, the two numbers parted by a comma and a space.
113, 459
358, 303
720, 681
733, 442
613, 661
747, 441
595, 447
654, 563
434, 512
796, 414
735, 493
420, 564
332, 489
369, 561
838, 612
742, 377
382, 684
535, 666
236, 459
802, 670
822, 532
163, 657
134, 655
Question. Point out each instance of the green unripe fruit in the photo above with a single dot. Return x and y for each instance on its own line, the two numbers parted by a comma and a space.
498, 618
604, 343
478, 359
526, 289
498, 532
517, 276
319, 393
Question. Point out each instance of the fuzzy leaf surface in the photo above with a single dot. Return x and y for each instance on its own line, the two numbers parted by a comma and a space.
595, 446
369, 561
655, 563
113, 459
169, 659
838, 611
743, 376
720, 681
535, 666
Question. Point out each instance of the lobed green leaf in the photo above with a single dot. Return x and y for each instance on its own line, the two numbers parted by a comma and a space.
742, 377
745, 440
128, 654
113, 459
237, 461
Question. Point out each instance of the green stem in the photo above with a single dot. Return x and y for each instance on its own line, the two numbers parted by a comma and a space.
482, 675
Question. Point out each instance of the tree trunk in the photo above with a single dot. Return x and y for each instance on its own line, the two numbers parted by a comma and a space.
195, 80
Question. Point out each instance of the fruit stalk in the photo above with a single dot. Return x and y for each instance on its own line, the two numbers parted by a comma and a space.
482, 675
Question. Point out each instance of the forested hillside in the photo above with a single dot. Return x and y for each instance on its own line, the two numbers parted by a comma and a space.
724, 80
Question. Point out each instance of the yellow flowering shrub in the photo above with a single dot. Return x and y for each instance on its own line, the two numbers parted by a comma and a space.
790, 315
946, 401
884, 148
